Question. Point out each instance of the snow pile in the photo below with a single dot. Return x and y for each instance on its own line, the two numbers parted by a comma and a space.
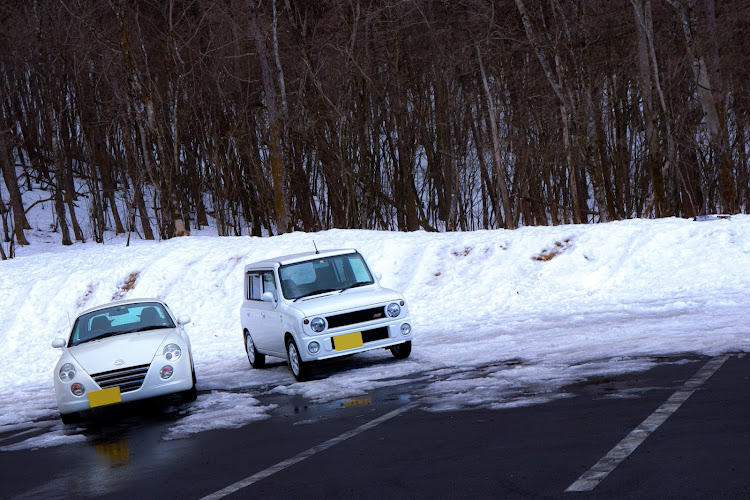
500, 317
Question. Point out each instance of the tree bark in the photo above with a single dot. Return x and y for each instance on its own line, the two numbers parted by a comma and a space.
709, 95
509, 220
16, 202
557, 83
275, 127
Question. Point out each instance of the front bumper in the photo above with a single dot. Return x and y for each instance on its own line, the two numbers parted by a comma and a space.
153, 386
372, 337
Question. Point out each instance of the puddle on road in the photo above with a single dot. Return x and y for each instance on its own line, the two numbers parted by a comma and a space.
503, 384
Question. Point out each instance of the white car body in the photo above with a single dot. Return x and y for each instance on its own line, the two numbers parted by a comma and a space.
285, 297
117, 363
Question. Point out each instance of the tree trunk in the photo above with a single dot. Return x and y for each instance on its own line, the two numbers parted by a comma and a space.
509, 219
274, 124
572, 170
709, 95
557, 84
644, 30
11, 183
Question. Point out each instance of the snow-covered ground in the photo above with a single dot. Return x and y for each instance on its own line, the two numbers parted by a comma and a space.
501, 317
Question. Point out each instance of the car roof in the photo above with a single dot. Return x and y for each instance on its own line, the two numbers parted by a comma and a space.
120, 302
297, 257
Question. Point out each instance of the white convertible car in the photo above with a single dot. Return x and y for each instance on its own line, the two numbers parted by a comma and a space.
123, 351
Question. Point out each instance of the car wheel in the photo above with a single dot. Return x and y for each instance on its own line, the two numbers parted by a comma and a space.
300, 369
257, 360
192, 393
401, 351
70, 418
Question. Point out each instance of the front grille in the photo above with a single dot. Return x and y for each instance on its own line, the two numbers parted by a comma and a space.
376, 334
128, 379
356, 317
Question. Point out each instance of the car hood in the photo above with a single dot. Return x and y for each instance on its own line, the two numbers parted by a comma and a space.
354, 298
132, 348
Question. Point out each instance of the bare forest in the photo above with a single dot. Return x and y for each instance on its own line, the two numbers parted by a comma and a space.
264, 117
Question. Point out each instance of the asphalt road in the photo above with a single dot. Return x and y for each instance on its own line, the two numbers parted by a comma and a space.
679, 430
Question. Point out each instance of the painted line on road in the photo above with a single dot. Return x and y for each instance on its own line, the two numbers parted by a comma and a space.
592, 477
244, 483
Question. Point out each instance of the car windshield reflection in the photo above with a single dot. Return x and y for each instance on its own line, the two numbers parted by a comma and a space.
324, 274
119, 320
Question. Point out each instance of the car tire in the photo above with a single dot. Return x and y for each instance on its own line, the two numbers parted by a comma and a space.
257, 360
401, 351
70, 418
191, 394
300, 369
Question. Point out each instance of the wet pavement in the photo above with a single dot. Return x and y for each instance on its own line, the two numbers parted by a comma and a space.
534, 444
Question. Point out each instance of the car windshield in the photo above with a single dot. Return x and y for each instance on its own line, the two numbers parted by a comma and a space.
324, 274
120, 319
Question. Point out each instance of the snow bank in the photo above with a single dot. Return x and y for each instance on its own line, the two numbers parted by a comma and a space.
535, 307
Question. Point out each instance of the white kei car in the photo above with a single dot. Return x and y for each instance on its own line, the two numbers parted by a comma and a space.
123, 351
319, 305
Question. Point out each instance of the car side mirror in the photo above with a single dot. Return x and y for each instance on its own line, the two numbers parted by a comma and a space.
183, 320
268, 297
58, 343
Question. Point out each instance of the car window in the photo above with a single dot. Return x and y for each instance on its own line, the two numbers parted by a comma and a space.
358, 267
253, 286
259, 282
117, 320
302, 273
318, 275
269, 283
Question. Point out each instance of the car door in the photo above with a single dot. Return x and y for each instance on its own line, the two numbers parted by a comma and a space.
271, 316
254, 310
261, 318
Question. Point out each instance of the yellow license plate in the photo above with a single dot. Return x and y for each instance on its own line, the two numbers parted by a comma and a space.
105, 397
348, 341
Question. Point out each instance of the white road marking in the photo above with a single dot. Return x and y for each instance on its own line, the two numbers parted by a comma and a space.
592, 477
232, 488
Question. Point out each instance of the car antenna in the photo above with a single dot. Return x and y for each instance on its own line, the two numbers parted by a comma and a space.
316, 247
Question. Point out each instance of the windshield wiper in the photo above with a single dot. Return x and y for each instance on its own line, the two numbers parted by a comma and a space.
100, 337
316, 292
355, 285
149, 327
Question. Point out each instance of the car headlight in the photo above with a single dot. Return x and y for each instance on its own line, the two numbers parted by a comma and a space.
318, 324
405, 329
67, 372
77, 389
172, 352
166, 372
313, 347
393, 310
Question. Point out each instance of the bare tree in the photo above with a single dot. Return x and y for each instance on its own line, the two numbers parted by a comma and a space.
275, 126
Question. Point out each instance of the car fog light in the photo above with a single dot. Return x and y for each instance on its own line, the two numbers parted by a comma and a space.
166, 372
77, 389
393, 310
318, 325
313, 347
405, 329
